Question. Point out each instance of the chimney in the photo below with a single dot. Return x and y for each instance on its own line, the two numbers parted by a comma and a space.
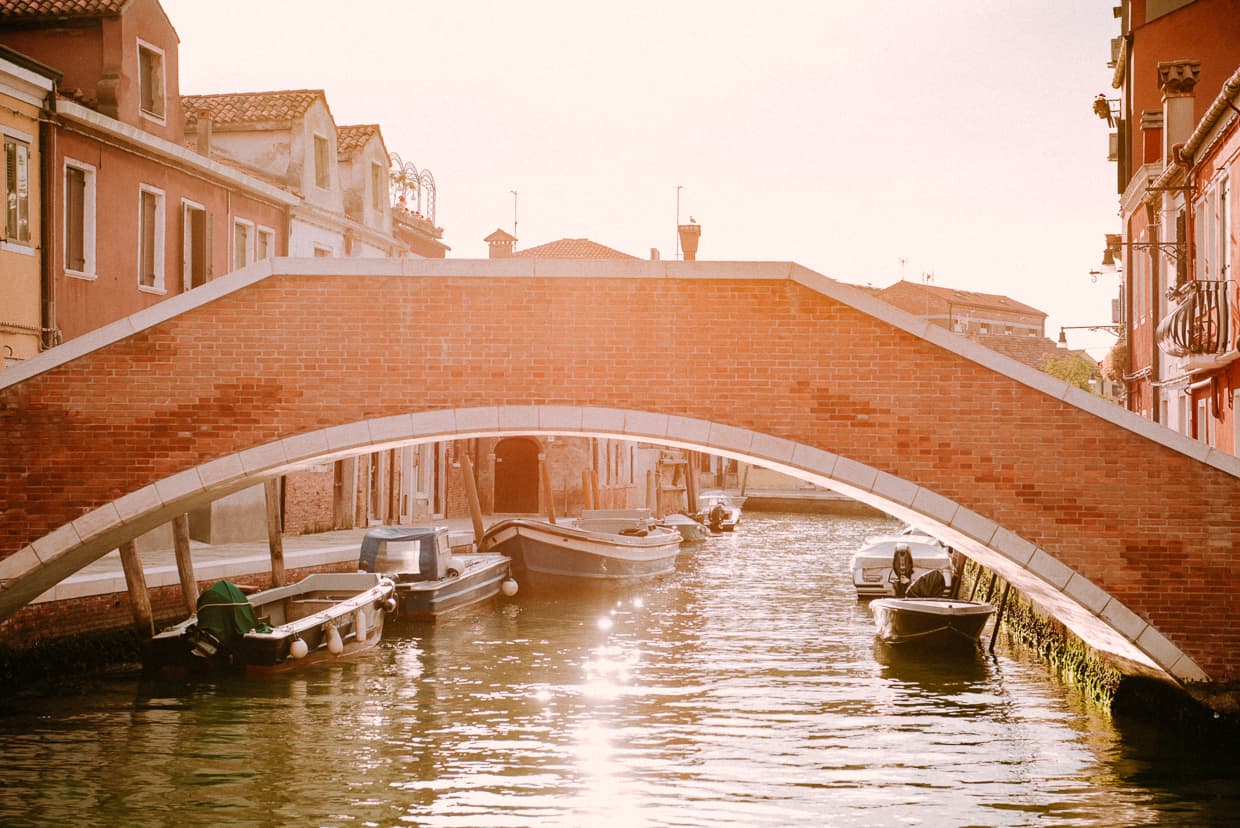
654, 254
500, 244
1177, 79
203, 123
689, 235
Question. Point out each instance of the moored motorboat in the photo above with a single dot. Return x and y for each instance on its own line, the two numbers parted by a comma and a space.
323, 616
691, 531
719, 511
886, 564
929, 621
432, 581
599, 549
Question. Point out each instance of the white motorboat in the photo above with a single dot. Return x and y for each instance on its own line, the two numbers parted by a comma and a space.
877, 572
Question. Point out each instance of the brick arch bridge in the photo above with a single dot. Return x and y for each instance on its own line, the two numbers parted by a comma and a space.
1121, 528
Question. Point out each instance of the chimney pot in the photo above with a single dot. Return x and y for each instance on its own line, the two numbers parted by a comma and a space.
689, 235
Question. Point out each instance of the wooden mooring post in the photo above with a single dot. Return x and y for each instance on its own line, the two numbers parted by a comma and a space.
994, 631
471, 491
544, 471
275, 537
587, 492
185, 564
135, 580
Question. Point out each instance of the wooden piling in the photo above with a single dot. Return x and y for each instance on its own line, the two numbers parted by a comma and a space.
994, 631
691, 490
587, 493
652, 493
598, 495
545, 472
471, 491
185, 564
135, 580
275, 537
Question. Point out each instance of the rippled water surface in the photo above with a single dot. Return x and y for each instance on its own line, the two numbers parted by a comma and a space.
748, 689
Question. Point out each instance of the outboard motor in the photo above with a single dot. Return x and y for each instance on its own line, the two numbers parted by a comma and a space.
901, 569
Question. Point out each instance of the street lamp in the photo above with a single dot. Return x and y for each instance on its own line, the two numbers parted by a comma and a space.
1114, 330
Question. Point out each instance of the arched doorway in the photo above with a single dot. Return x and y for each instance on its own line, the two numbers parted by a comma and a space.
516, 476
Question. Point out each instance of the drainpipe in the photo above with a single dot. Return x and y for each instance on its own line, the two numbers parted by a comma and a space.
49, 336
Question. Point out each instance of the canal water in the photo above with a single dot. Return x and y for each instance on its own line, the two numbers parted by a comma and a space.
747, 689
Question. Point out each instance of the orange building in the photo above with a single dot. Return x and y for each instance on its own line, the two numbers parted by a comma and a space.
1174, 121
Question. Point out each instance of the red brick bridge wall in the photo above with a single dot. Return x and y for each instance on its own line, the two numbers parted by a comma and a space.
1117, 525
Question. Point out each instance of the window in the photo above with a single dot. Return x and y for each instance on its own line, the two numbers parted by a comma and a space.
195, 245
265, 244
151, 80
243, 243
150, 238
378, 186
1205, 423
322, 159
1199, 207
16, 191
79, 218
322, 252
1223, 271
1235, 423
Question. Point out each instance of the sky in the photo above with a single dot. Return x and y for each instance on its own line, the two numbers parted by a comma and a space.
868, 141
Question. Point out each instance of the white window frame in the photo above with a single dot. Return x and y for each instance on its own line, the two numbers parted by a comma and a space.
322, 166
1205, 422
266, 236
161, 116
88, 171
160, 239
1223, 271
186, 253
1235, 422
17, 139
247, 255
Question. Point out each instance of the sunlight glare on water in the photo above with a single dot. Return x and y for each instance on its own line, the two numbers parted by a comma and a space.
746, 689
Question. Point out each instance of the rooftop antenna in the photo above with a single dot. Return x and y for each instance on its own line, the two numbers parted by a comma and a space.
514, 212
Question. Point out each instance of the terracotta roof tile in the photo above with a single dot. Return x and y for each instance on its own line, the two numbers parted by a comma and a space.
1034, 351
572, 249
902, 293
55, 9
350, 139
250, 107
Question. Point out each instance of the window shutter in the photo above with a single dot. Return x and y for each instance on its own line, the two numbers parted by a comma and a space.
75, 219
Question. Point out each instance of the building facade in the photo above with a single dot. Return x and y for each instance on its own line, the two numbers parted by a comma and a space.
26, 94
1174, 119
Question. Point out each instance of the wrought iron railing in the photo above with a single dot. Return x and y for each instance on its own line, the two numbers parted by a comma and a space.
1201, 322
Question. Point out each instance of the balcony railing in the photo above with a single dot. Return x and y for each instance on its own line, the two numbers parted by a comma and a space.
1201, 322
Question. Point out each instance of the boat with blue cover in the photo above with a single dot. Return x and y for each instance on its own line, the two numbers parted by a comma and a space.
432, 581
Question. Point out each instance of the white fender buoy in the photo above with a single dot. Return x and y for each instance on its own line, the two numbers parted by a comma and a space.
298, 648
359, 624
508, 587
389, 605
335, 645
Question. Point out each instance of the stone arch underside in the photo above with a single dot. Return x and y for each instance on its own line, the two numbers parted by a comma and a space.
1088, 508
1101, 620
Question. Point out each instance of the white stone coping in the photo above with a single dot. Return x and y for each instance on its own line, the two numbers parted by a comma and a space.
814, 465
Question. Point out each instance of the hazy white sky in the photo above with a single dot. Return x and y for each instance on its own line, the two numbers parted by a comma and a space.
956, 135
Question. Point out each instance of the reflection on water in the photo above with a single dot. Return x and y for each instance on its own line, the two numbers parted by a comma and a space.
747, 689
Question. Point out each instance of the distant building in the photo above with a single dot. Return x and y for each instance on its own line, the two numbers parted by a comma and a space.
964, 311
